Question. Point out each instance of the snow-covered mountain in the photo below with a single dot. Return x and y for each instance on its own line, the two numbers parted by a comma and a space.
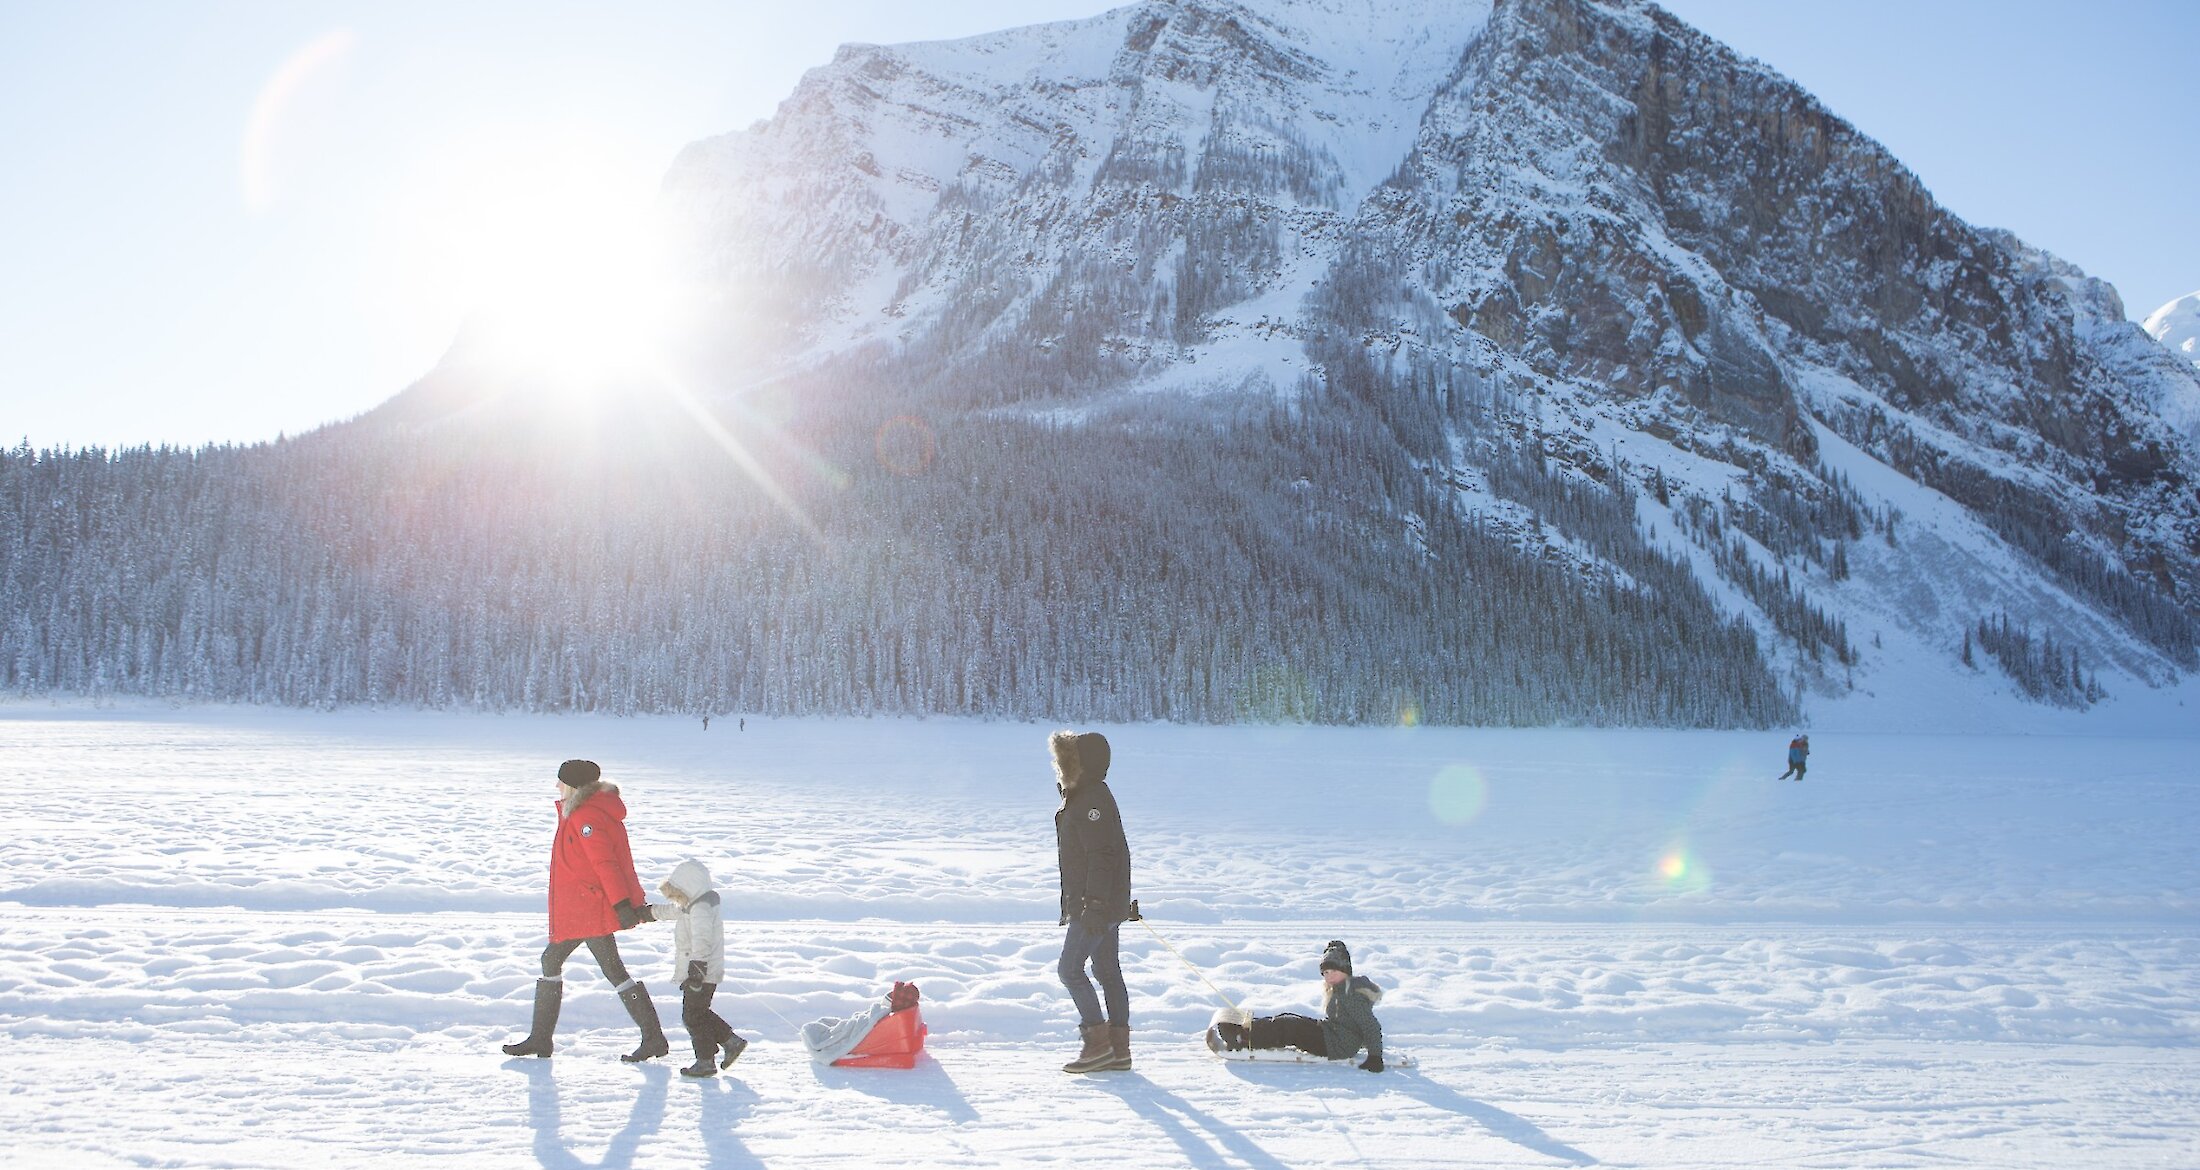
1669, 257
2177, 326
1497, 362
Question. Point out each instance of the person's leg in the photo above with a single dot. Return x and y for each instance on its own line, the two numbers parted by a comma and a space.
701, 1022
555, 955
1079, 947
1107, 966
703, 1027
605, 948
1301, 1032
1077, 950
549, 997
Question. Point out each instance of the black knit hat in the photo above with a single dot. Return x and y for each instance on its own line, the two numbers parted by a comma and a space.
1092, 756
1335, 957
577, 773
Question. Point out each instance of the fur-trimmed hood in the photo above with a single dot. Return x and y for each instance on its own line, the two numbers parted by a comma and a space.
594, 788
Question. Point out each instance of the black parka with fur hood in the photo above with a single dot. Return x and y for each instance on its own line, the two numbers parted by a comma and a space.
1088, 831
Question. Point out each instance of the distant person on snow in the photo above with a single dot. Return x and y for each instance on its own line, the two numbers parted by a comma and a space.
1798, 752
1348, 1021
699, 959
593, 892
1096, 898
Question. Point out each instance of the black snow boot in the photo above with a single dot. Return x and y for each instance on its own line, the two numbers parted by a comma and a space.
638, 1005
549, 994
734, 1046
701, 1068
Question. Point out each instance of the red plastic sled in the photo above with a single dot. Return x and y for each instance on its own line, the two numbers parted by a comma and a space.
893, 1042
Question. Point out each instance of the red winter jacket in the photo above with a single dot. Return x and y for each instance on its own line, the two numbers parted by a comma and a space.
591, 866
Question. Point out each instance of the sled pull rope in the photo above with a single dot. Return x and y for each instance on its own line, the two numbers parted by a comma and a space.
1237, 1013
792, 1026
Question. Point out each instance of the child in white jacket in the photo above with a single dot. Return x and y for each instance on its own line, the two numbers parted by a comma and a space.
699, 961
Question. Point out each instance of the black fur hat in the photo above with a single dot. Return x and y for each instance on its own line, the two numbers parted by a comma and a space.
577, 773
1335, 957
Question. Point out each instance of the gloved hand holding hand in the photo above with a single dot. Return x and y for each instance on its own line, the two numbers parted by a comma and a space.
694, 981
1373, 1063
628, 915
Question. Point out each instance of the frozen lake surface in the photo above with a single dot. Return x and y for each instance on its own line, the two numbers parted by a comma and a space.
238, 937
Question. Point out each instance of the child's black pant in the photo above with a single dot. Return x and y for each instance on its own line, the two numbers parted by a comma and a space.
1289, 1030
706, 1031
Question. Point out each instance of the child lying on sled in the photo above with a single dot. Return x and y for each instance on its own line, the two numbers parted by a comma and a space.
1348, 1023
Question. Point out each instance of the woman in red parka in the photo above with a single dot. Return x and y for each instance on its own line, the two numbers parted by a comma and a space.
593, 892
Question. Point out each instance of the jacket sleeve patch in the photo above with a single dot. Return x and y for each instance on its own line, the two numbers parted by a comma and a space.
1092, 814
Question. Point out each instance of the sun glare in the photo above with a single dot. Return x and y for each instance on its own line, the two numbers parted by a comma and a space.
546, 248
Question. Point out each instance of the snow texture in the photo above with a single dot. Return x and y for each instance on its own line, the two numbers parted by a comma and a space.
234, 937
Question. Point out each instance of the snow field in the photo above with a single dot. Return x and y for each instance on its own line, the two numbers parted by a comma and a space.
236, 937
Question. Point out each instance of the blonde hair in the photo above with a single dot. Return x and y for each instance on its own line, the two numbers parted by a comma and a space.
678, 896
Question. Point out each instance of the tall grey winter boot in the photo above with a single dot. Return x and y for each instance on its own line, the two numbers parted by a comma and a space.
549, 995
1096, 1054
638, 1005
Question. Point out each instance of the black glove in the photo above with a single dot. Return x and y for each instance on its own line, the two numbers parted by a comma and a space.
1134, 915
648, 912
1373, 1063
628, 915
694, 981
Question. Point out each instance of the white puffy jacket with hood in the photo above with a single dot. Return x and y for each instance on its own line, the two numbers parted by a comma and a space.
698, 932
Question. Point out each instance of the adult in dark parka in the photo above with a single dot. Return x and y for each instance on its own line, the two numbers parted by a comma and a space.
1096, 898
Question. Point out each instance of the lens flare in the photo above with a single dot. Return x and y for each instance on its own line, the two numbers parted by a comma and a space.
905, 445
1682, 871
1458, 794
276, 100
1409, 714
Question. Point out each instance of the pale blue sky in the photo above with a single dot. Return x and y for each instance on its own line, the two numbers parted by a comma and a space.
189, 255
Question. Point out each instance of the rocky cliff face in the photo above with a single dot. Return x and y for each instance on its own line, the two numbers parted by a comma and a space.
1584, 202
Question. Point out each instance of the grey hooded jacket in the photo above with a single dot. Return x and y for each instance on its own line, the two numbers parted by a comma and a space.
1350, 1024
698, 932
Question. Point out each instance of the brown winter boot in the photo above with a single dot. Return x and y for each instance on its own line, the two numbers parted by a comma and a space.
1096, 1053
1119, 1039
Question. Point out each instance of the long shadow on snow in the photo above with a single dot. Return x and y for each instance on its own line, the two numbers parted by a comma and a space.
726, 1101
927, 1084
1511, 1126
545, 1115
1163, 1108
